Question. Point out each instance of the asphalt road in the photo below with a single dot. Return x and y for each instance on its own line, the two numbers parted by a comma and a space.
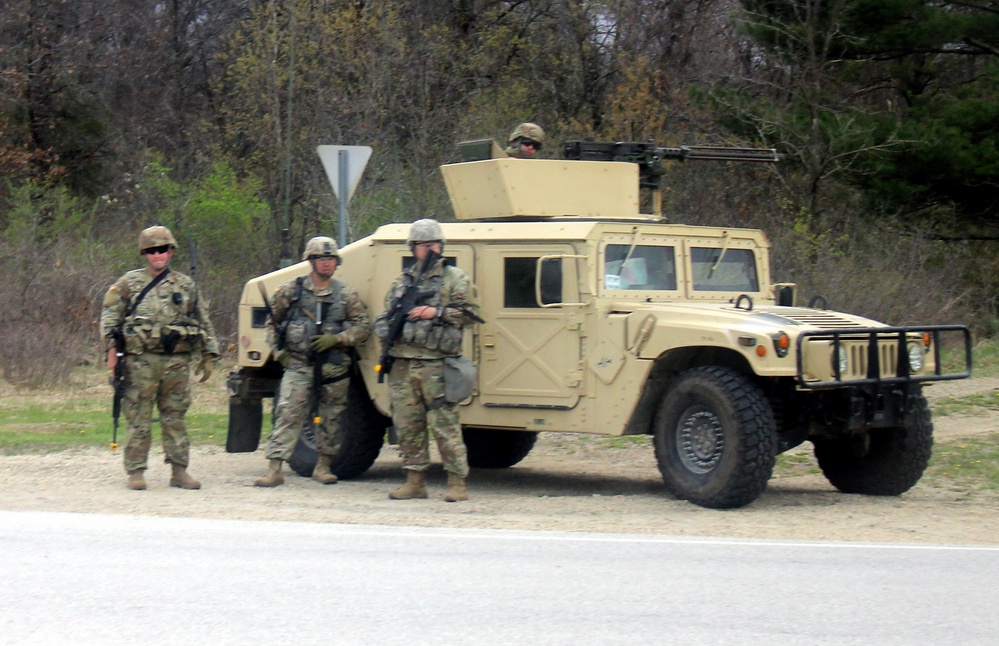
102, 579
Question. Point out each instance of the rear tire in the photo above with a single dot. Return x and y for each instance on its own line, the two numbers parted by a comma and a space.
496, 449
882, 461
715, 438
362, 430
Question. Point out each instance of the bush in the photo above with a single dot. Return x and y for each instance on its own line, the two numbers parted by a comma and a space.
53, 279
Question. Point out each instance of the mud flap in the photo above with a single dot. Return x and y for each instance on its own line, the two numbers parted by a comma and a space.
245, 420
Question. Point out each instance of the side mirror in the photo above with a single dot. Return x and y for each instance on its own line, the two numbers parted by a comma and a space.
784, 294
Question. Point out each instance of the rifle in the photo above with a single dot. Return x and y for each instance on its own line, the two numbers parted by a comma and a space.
398, 312
118, 382
279, 328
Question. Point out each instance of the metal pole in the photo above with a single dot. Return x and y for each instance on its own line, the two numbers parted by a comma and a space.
286, 231
342, 192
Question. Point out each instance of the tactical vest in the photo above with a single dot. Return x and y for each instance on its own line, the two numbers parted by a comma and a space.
302, 317
433, 334
164, 323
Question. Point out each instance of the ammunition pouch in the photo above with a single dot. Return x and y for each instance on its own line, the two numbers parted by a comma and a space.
432, 335
142, 335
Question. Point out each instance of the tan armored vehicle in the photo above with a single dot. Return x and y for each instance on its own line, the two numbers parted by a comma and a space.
601, 319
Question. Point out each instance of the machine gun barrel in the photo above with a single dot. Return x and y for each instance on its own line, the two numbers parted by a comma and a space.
720, 153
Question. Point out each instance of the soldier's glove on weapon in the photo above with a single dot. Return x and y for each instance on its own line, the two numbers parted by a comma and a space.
323, 342
398, 314
206, 367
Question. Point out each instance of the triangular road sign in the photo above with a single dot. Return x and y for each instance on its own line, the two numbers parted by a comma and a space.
357, 159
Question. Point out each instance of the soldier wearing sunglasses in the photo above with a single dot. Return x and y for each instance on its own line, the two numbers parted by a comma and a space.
525, 141
164, 322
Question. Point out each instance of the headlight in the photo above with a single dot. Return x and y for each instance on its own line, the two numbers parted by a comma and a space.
843, 360
915, 358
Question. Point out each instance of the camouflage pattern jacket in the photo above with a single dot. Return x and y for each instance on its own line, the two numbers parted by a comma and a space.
446, 288
170, 319
295, 321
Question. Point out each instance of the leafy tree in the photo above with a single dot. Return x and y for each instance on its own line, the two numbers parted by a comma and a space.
895, 97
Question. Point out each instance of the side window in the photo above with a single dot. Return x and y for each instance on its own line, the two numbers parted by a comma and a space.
724, 270
644, 267
519, 276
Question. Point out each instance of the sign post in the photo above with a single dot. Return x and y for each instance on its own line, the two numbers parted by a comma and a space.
344, 166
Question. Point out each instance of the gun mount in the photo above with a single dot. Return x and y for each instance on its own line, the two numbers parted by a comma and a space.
649, 157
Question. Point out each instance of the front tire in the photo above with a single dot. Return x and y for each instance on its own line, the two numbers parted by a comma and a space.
882, 461
715, 438
362, 430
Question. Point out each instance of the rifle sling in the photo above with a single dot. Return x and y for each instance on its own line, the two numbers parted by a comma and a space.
145, 290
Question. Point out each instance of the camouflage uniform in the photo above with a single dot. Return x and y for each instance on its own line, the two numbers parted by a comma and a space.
168, 325
416, 382
345, 315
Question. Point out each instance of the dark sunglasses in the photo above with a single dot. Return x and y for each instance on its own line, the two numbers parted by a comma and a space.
160, 249
530, 142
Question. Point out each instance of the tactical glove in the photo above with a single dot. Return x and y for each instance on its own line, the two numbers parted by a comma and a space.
322, 342
206, 367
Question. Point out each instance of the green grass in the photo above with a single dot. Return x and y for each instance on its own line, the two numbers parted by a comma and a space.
51, 419
56, 427
972, 463
984, 357
977, 404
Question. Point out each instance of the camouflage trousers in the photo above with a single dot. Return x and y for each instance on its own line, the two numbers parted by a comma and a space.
293, 405
163, 380
416, 390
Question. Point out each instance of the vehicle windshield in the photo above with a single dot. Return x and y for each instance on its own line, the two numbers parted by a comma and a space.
724, 270
646, 267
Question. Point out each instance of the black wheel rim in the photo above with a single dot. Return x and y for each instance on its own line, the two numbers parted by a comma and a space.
699, 439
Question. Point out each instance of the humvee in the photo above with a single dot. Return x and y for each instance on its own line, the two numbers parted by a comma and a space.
602, 319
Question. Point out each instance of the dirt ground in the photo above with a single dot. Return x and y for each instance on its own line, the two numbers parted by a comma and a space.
568, 483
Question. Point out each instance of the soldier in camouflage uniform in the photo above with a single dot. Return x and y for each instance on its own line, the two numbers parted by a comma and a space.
432, 331
302, 332
525, 141
162, 328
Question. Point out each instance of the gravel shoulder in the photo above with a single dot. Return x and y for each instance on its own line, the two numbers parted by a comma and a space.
568, 483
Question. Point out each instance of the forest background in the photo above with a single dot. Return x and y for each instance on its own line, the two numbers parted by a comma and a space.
204, 116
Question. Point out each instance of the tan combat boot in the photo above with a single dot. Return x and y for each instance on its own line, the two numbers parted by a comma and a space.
273, 476
136, 481
456, 489
322, 473
181, 478
414, 487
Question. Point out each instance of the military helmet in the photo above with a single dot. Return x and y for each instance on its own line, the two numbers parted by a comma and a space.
319, 247
530, 131
156, 236
425, 230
